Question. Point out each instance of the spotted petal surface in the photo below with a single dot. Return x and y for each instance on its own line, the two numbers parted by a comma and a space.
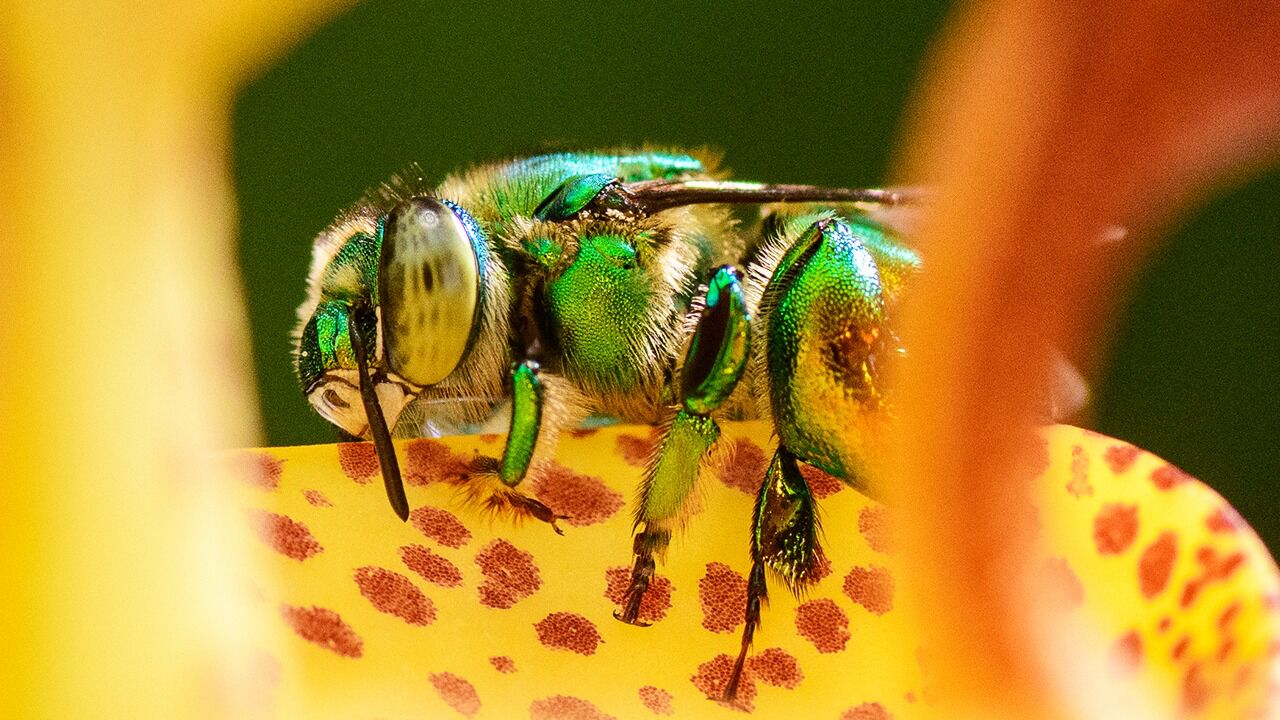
458, 615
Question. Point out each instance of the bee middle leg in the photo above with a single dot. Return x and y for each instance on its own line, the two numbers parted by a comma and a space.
713, 365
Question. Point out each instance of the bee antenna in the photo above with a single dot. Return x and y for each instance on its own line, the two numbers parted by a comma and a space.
378, 427
653, 196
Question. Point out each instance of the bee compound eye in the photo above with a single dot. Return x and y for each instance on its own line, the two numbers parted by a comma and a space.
429, 284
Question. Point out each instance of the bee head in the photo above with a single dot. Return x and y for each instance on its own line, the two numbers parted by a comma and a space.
409, 282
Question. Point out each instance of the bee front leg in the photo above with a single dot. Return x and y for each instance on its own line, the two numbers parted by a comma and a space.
541, 403
713, 365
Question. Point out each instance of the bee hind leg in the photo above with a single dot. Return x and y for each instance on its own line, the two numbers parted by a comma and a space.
784, 537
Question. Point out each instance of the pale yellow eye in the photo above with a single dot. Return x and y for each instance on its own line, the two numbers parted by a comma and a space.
429, 289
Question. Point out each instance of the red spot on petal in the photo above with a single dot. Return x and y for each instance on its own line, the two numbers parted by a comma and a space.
440, 525
456, 692
1063, 588
359, 460
824, 624
1225, 649
1167, 477
568, 631
565, 707
777, 667
743, 466
432, 567
285, 535
431, 461
1114, 528
1079, 485
1120, 457
1228, 616
259, 469
636, 450
510, 575
1165, 623
1223, 520
1213, 569
870, 587
821, 483
875, 525
657, 700
503, 664
1127, 653
723, 596
866, 711
394, 594
583, 499
1243, 675
713, 677
489, 438
1180, 648
1195, 694
1156, 564
656, 601
316, 498
324, 628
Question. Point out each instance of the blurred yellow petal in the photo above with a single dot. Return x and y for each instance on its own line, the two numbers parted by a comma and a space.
123, 328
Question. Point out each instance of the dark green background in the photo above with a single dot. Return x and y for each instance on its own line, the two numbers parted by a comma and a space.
805, 93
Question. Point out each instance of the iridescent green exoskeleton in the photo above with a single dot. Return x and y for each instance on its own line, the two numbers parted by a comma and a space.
616, 284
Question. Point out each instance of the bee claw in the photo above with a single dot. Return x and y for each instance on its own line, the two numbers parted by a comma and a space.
536, 509
621, 617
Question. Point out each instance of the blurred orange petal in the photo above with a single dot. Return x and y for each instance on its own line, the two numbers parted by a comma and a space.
1044, 124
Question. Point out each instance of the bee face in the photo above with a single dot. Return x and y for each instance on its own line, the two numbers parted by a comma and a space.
337, 398
327, 368
414, 283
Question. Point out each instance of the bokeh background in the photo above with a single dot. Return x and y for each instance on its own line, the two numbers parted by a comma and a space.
1194, 370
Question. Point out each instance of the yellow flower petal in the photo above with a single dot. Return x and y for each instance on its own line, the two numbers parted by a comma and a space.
458, 615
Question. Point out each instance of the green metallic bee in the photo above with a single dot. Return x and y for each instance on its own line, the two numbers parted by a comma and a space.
579, 284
